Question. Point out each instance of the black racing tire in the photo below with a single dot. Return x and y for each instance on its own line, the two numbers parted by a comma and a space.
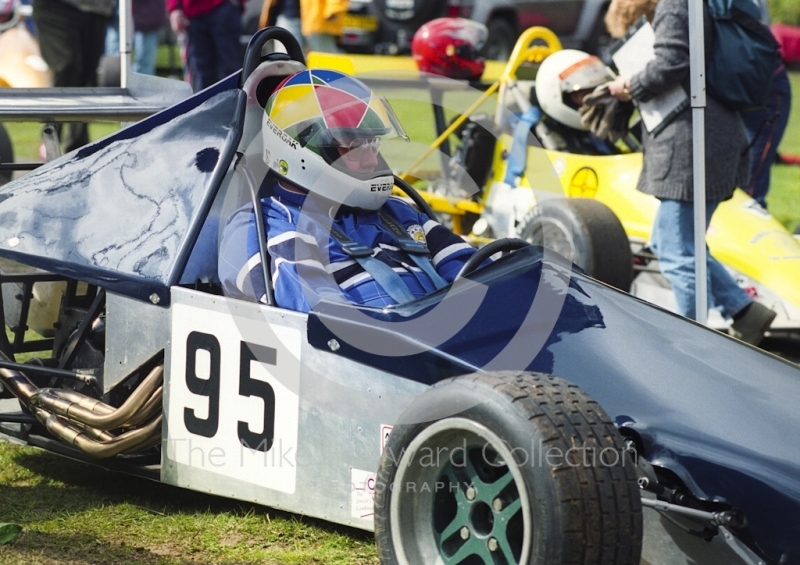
500, 41
586, 232
445, 492
6, 154
797, 230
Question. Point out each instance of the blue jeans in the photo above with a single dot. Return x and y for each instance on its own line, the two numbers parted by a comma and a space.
767, 125
145, 46
214, 48
673, 244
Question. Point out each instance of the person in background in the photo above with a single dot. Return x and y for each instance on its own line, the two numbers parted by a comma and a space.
622, 14
765, 127
71, 36
149, 16
321, 21
213, 28
667, 174
285, 14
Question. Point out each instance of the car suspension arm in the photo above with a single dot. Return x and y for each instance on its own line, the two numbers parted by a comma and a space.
727, 518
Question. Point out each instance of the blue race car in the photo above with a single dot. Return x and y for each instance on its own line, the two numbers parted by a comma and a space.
525, 414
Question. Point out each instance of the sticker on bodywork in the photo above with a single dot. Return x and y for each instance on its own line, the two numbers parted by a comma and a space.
233, 397
362, 494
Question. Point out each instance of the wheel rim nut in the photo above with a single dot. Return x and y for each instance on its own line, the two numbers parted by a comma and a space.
493, 545
464, 533
497, 504
470, 493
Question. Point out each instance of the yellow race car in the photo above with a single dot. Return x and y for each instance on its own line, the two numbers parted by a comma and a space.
604, 223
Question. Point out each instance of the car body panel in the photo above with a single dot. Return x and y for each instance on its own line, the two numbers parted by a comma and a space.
329, 412
104, 193
708, 414
559, 15
575, 21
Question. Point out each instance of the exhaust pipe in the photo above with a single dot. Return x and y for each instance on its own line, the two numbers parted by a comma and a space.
84, 422
92, 412
102, 449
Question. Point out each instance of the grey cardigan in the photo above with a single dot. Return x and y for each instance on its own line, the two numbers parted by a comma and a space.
667, 169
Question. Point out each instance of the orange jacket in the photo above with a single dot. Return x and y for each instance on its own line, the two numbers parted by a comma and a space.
316, 16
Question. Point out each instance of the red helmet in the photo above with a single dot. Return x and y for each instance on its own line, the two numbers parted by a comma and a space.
449, 47
8, 13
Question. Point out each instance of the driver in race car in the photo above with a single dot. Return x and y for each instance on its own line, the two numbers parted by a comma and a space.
563, 83
330, 213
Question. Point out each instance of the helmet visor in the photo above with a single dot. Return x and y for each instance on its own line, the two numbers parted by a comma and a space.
337, 117
470, 31
8, 13
320, 108
365, 127
584, 75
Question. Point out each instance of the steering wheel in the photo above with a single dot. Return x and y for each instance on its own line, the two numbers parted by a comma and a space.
506, 244
415, 197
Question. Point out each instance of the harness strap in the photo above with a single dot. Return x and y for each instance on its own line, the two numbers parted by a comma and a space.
417, 251
518, 156
389, 280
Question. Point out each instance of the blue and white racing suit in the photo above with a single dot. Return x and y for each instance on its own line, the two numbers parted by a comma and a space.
289, 247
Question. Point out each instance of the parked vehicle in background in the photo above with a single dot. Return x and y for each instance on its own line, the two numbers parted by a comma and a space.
361, 28
386, 27
359, 34
578, 23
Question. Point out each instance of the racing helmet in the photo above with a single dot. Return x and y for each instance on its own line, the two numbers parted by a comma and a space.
316, 123
563, 79
9, 14
449, 47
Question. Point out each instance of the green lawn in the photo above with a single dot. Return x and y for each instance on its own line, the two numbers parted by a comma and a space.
74, 513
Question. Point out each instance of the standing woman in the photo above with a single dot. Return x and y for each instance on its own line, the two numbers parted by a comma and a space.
667, 173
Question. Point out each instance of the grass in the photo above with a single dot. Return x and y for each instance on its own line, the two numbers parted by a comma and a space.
25, 137
77, 513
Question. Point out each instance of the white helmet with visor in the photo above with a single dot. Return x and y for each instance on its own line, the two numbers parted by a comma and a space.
562, 81
322, 132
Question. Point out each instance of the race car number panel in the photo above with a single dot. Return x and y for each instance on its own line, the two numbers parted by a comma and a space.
233, 397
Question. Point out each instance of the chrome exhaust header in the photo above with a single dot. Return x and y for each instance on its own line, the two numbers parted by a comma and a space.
90, 425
